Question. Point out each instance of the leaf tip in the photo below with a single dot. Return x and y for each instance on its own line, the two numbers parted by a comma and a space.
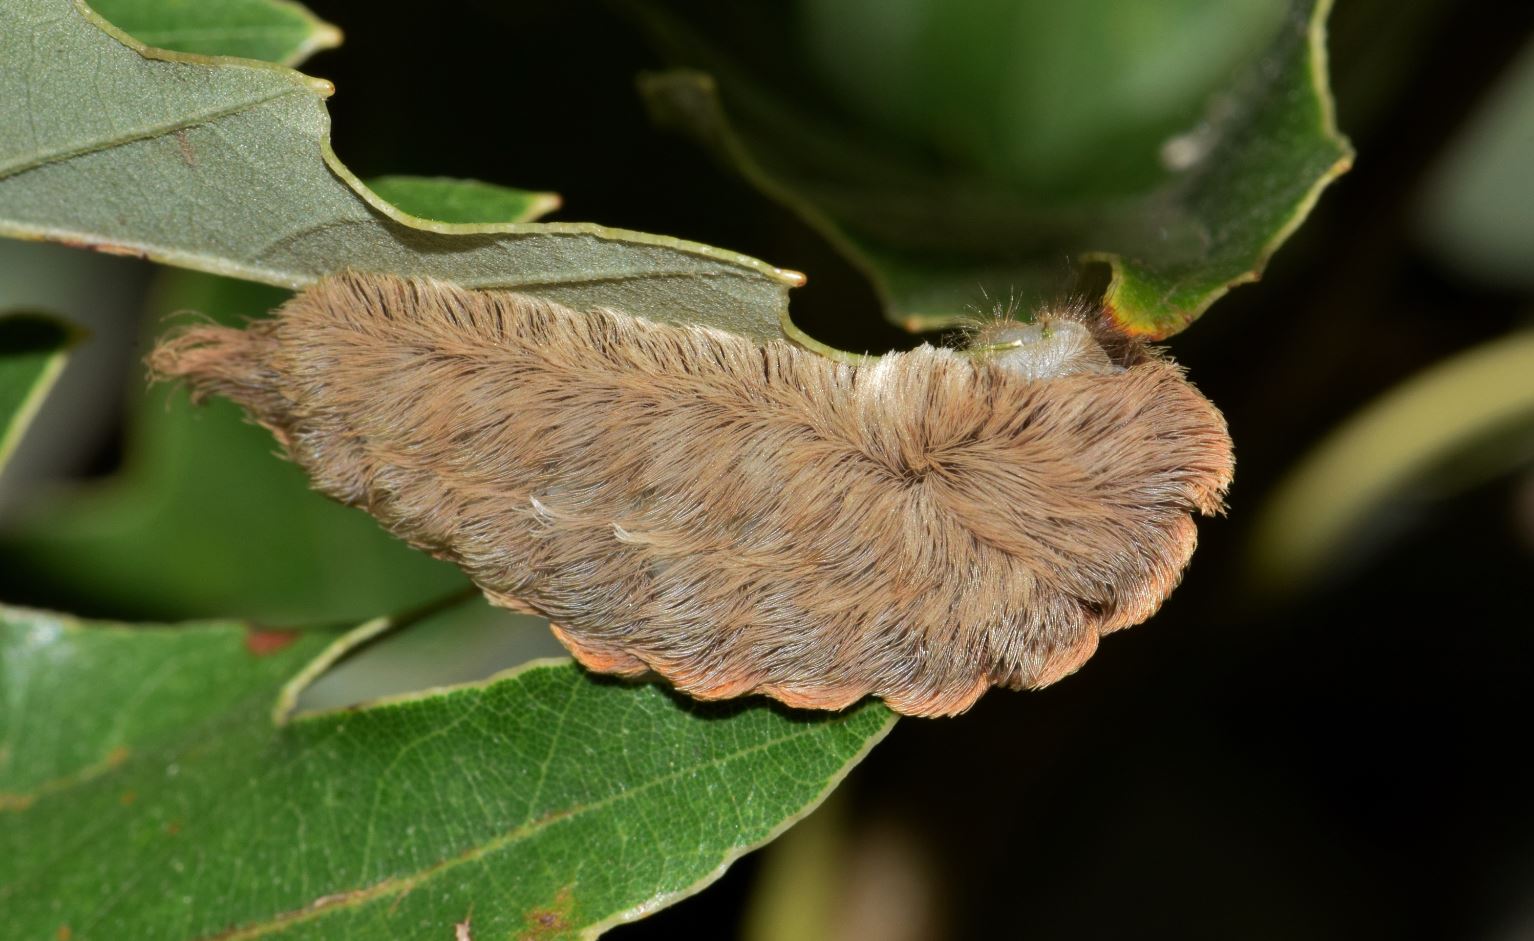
325, 36
542, 204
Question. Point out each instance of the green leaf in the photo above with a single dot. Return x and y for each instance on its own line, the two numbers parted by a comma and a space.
225, 166
206, 520
81, 699
149, 793
1179, 144
1476, 211
268, 30
33, 348
449, 200
1476, 409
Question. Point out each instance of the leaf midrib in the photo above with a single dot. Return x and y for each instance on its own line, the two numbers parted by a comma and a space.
149, 132
345, 900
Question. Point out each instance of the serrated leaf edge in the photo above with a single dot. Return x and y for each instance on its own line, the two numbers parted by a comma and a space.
736, 156
351, 640
320, 88
666, 899
1320, 86
283, 713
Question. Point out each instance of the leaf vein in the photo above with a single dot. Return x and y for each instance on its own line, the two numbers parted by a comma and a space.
154, 131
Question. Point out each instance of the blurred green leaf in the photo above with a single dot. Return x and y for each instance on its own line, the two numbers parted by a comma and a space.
145, 791
1477, 211
976, 145
1001, 87
206, 520
796, 895
32, 352
450, 200
269, 30
1479, 401
225, 166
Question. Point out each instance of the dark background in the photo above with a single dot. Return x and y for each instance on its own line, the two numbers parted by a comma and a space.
1348, 763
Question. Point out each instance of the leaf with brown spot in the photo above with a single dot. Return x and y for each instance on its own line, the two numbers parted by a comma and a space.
264, 642
497, 798
552, 920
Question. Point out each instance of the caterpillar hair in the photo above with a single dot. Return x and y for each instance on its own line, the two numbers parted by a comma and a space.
738, 516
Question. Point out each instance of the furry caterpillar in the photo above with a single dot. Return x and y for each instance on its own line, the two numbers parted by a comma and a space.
746, 517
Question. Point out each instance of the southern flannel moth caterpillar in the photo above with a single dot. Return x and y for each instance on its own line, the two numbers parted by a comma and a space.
745, 517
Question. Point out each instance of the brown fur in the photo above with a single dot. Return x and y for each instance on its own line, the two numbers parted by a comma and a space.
739, 517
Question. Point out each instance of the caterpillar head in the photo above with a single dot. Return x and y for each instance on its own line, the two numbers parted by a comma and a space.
1054, 344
